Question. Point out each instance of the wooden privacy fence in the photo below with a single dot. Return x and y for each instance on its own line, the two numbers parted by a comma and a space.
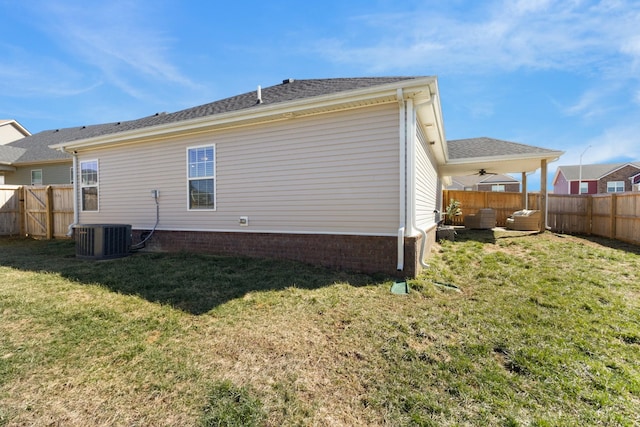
614, 215
504, 204
38, 211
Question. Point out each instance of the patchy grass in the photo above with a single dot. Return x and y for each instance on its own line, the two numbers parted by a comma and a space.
545, 332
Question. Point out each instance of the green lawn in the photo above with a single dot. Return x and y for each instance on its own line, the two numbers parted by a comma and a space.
545, 332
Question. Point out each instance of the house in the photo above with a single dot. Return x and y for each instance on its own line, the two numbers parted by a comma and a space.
10, 130
598, 178
343, 172
26, 159
485, 182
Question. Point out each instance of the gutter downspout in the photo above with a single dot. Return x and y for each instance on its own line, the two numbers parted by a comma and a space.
76, 217
403, 179
411, 177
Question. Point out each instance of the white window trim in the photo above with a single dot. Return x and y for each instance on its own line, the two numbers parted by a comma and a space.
215, 180
96, 185
498, 188
41, 176
616, 183
586, 187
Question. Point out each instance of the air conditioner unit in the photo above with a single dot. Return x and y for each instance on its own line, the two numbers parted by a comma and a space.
102, 241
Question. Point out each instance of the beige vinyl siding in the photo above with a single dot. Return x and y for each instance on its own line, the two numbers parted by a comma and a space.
8, 134
51, 174
331, 173
428, 187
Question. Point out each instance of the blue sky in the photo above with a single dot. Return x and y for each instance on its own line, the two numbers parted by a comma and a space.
557, 74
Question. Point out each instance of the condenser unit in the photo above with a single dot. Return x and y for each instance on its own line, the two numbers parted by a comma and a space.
102, 241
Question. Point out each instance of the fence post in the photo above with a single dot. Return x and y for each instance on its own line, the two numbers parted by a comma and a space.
589, 218
49, 212
613, 215
22, 212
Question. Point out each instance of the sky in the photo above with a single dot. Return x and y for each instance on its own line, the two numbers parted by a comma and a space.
563, 75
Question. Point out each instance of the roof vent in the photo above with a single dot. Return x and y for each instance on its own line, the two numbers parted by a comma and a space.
287, 81
259, 101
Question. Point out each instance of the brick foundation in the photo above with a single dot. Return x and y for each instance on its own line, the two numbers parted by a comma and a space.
366, 254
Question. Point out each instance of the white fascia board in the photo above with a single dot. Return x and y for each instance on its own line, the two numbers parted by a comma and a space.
499, 164
276, 112
17, 126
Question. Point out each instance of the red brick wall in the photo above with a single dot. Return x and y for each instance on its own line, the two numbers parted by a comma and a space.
366, 254
622, 174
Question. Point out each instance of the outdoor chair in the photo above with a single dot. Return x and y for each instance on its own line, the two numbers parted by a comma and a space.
483, 219
524, 220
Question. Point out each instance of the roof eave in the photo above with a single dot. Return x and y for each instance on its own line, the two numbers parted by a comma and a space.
266, 113
499, 164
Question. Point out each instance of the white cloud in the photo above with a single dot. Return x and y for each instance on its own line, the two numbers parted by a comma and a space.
117, 38
590, 105
506, 35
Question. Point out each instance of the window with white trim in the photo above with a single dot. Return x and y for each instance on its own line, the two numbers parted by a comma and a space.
201, 175
584, 188
89, 185
498, 187
615, 186
36, 177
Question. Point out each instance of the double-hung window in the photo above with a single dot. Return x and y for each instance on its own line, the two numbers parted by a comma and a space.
36, 177
584, 187
89, 185
498, 187
201, 175
615, 186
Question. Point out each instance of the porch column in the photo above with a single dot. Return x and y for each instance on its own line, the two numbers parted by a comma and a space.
524, 191
543, 194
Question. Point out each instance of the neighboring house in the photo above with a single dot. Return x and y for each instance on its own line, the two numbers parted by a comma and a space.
10, 130
485, 182
342, 172
598, 178
30, 161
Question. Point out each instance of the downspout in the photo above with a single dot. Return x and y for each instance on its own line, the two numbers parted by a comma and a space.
411, 178
76, 217
403, 178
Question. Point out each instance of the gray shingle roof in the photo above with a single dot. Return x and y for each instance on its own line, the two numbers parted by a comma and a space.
589, 172
10, 154
489, 147
289, 90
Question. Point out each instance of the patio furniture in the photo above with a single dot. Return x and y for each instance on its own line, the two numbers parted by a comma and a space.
524, 220
483, 219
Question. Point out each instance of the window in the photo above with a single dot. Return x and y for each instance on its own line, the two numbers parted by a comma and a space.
201, 172
584, 188
498, 187
615, 186
89, 185
36, 177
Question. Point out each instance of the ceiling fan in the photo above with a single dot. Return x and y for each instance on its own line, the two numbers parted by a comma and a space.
483, 172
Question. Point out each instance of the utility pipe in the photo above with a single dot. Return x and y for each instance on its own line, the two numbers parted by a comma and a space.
403, 179
76, 216
411, 177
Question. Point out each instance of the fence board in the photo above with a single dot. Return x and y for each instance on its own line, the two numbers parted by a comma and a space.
10, 210
568, 214
38, 211
62, 210
505, 204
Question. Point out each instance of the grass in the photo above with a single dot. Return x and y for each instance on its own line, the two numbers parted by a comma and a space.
546, 332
